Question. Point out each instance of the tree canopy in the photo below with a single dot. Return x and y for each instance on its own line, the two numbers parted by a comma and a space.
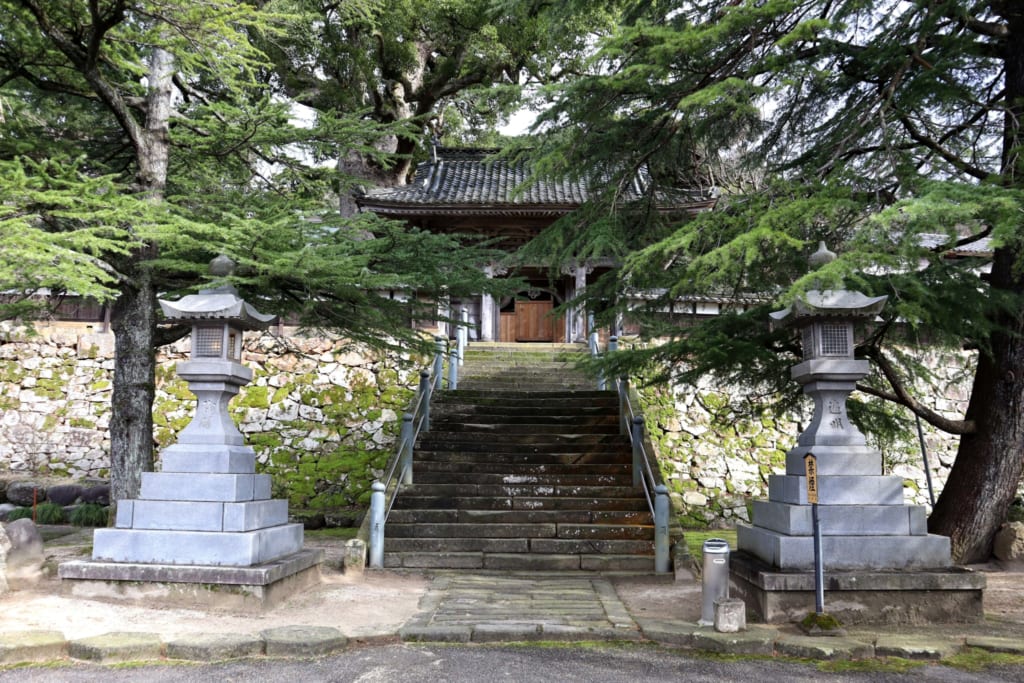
889, 130
141, 139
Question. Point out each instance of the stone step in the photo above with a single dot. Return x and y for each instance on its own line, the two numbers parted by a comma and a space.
470, 516
553, 443
480, 452
587, 396
520, 561
410, 499
487, 467
520, 545
557, 410
514, 430
524, 490
578, 532
494, 479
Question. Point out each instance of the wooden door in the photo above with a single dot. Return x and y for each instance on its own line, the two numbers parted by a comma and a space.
533, 321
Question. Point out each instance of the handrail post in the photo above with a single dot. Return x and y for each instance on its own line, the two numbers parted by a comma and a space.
453, 369
661, 513
440, 344
425, 387
637, 436
463, 335
623, 389
377, 504
406, 438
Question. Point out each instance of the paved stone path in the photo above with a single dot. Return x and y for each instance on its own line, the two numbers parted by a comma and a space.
502, 607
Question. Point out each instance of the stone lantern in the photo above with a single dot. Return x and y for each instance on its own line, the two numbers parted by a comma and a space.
206, 520
881, 563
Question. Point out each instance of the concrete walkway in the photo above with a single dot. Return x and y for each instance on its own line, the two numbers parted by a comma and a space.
513, 607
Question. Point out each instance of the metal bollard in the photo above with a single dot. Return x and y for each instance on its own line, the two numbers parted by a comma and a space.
714, 578
662, 561
406, 440
377, 503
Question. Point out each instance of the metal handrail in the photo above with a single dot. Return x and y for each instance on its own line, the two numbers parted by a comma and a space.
631, 423
399, 472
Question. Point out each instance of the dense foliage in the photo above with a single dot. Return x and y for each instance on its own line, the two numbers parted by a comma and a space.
889, 130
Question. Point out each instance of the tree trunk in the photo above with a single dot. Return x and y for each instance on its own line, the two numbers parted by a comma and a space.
134, 314
131, 424
989, 463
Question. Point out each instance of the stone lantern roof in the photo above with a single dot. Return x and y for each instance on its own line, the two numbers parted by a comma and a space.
221, 304
839, 303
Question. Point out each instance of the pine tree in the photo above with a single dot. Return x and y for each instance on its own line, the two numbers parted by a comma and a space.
890, 130
141, 140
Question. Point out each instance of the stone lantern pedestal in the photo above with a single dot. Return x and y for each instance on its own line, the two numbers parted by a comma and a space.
881, 564
204, 530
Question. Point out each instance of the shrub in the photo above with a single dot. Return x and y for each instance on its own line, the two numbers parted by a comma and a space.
90, 514
49, 513
19, 513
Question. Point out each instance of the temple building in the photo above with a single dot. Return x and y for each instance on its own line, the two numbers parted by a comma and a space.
469, 191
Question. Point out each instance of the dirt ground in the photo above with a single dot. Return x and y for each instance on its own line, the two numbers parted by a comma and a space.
359, 605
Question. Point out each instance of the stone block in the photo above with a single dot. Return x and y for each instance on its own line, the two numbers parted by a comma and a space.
841, 520
31, 646
836, 460
21, 555
948, 595
846, 552
212, 647
730, 615
1009, 543
838, 490
212, 459
228, 488
117, 647
235, 549
302, 641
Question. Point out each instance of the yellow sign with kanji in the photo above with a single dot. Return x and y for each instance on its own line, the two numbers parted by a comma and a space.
811, 470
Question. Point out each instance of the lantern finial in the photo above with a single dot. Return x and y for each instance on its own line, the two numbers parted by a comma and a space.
822, 256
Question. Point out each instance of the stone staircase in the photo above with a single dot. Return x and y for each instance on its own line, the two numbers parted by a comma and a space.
523, 469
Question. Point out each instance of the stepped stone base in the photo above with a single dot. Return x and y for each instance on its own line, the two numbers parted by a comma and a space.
946, 595
254, 588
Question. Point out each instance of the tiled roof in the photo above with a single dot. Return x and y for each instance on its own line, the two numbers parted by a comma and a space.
980, 247
471, 180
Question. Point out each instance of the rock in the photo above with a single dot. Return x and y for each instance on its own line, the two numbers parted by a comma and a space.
6, 509
1009, 543
99, 494
23, 560
64, 494
20, 493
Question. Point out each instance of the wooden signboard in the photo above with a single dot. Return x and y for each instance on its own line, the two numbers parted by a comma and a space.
811, 470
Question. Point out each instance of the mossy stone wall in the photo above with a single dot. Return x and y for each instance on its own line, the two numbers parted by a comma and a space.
321, 415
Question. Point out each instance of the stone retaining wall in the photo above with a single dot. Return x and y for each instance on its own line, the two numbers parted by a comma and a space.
321, 415
716, 455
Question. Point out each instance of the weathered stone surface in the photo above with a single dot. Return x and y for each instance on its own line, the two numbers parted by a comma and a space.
98, 494
914, 647
823, 648
211, 647
21, 493
31, 646
302, 641
730, 615
117, 647
22, 561
1009, 543
64, 494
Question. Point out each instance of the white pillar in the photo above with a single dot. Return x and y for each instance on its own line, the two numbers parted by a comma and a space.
487, 311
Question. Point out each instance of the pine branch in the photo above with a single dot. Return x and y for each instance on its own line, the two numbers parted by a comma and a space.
901, 396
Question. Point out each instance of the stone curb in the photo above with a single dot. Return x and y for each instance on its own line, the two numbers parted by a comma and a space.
312, 641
